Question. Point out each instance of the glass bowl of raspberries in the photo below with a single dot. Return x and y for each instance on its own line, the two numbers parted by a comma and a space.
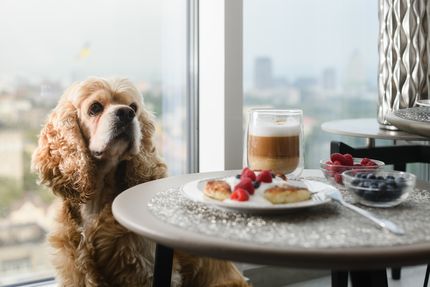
379, 188
338, 163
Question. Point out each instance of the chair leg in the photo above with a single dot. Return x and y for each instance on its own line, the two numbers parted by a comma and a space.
426, 278
396, 273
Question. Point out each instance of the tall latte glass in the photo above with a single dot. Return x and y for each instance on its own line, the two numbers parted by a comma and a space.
274, 141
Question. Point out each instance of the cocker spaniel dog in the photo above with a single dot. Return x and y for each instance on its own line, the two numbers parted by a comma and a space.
97, 142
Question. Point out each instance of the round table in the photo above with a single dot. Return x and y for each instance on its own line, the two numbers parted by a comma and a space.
131, 210
414, 120
367, 128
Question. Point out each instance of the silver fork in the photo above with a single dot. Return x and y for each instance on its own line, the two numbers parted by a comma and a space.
381, 222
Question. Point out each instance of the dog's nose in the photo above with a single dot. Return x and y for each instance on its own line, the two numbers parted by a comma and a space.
125, 115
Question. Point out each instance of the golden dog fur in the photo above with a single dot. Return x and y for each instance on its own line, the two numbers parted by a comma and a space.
91, 248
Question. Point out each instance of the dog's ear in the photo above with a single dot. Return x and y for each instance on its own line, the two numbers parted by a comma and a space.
62, 158
146, 165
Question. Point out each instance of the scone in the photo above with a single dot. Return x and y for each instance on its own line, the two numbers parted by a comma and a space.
286, 194
217, 189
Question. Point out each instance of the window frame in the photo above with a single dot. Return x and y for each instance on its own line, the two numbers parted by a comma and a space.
220, 84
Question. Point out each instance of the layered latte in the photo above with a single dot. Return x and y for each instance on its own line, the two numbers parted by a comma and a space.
274, 146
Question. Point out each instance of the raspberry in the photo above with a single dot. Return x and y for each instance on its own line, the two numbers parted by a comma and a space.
364, 161
338, 157
371, 163
348, 159
234, 196
336, 167
246, 184
265, 176
240, 194
246, 172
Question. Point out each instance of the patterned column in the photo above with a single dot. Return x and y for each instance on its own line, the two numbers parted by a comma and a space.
403, 55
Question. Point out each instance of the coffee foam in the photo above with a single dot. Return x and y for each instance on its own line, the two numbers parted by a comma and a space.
289, 127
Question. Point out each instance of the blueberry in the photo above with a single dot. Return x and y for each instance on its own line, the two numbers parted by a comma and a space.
390, 177
257, 184
359, 175
355, 182
390, 181
374, 185
365, 184
396, 193
382, 186
380, 178
369, 195
371, 176
390, 188
237, 176
400, 181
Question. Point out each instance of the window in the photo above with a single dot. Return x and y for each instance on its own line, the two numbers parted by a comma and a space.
47, 45
320, 56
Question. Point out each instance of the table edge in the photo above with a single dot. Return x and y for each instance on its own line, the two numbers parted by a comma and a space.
203, 245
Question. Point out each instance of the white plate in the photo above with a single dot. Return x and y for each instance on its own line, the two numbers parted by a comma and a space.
194, 191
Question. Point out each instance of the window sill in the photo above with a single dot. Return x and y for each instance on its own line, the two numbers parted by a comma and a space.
47, 282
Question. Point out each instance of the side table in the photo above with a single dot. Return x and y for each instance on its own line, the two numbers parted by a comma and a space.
368, 128
398, 156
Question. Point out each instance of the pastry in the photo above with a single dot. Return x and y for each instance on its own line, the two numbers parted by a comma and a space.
217, 189
286, 194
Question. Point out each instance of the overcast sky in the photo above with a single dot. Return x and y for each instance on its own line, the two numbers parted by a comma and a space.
305, 36
45, 38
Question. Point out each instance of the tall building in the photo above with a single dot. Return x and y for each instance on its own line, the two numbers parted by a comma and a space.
263, 73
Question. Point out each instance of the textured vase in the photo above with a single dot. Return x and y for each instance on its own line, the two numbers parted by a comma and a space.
403, 55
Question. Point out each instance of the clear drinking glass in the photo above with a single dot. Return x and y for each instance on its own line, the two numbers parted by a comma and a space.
274, 141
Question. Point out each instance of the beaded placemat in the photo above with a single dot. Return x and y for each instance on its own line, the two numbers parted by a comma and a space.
420, 114
327, 226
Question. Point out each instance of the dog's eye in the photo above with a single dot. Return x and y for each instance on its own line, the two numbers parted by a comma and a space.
95, 109
134, 107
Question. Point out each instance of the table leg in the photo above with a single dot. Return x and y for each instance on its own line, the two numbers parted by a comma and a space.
339, 278
374, 278
400, 167
396, 273
162, 266
426, 278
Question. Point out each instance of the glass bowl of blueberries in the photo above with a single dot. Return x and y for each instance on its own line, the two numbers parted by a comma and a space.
379, 188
